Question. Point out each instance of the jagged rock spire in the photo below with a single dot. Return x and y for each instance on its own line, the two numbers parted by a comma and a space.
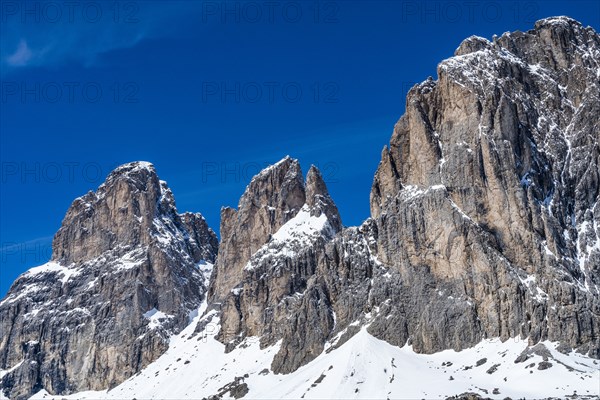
319, 200
273, 197
249, 305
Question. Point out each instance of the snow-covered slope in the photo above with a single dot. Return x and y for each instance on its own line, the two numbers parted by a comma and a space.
196, 366
298, 233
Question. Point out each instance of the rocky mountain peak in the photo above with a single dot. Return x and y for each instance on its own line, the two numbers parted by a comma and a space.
140, 178
273, 197
499, 156
315, 185
251, 294
564, 31
279, 186
558, 21
472, 44
485, 224
318, 199
316, 189
135, 171
126, 272
121, 212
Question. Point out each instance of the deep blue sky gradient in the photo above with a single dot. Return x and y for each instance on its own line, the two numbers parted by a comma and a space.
161, 67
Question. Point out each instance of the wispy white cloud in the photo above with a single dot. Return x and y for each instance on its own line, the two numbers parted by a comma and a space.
21, 56
33, 43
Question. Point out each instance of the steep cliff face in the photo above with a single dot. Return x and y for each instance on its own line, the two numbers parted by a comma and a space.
484, 216
124, 276
489, 192
268, 299
272, 198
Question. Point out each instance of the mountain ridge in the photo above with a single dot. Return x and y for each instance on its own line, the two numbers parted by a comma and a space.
484, 224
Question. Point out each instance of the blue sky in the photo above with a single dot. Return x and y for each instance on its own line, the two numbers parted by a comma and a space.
212, 91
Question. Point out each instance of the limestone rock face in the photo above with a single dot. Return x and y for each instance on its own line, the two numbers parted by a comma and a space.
270, 298
123, 277
204, 241
486, 203
484, 217
272, 198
